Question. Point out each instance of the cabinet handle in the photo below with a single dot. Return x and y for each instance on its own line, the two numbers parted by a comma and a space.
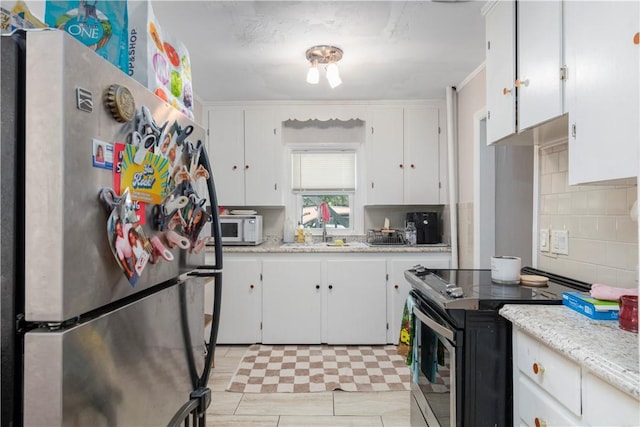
330, 286
317, 286
506, 91
246, 167
251, 286
413, 166
401, 166
234, 167
396, 287
539, 423
636, 39
520, 83
538, 369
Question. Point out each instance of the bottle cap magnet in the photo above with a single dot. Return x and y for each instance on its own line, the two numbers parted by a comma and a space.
120, 102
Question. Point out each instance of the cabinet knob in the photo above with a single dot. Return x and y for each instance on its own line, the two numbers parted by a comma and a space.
317, 286
413, 166
636, 39
401, 166
538, 369
251, 286
396, 287
539, 422
246, 166
520, 83
330, 286
506, 91
234, 167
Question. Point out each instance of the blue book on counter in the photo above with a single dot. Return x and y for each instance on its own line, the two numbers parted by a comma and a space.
591, 307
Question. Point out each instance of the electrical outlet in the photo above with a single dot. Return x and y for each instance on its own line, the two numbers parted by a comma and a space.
544, 240
560, 242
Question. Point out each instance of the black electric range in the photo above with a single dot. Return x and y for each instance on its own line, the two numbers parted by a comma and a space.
463, 342
475, 290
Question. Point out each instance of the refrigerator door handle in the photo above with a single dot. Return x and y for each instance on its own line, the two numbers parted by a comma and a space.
215, 214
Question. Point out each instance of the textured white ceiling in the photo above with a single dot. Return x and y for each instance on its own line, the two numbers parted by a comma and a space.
255, 50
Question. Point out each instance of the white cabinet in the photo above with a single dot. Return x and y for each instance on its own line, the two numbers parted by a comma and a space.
291, 301
241, 308
398, 288
603, 404
552, 390
603, 92
540, 83
535, 52
501, 70
356, 301
245, 153
404, 153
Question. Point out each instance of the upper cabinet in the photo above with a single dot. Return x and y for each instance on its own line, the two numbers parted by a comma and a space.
525, 69
404, 153
245, 152
602, 54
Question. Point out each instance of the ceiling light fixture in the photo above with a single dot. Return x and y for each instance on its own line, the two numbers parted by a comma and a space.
324, 54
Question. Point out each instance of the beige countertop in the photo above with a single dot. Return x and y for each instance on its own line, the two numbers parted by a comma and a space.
349, 247
598, 345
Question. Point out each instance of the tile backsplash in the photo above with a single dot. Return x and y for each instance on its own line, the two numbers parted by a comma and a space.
603, 238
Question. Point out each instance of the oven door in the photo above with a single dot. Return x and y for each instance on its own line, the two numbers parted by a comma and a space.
435, 389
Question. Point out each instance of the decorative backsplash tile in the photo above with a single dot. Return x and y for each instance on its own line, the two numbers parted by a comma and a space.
603, 239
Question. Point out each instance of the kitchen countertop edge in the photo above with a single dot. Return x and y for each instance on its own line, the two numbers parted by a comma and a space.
282, 248
597, 345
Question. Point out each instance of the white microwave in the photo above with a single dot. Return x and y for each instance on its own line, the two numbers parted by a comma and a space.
241, 229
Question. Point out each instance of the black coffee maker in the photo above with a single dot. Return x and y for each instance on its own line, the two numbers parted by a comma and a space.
428, 229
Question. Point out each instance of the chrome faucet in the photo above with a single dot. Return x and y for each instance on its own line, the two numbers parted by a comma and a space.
324, 232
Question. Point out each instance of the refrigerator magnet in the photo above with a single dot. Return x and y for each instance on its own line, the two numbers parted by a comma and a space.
148, 180
102, 156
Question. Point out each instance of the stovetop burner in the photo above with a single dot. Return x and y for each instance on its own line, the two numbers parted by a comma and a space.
474, 289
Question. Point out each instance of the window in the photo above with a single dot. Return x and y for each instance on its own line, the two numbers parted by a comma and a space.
324, 181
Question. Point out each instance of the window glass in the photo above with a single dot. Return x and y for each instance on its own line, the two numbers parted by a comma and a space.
337, 205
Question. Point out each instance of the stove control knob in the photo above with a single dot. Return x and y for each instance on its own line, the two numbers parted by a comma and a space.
455, 292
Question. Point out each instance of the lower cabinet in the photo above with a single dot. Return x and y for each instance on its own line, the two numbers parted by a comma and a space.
241, 308
291, 301
552, 390
398, 288
356, 302
350, 299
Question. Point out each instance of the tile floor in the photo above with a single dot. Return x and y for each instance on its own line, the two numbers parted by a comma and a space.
325, 409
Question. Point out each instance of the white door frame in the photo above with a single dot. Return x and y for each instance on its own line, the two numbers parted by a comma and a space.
483, 194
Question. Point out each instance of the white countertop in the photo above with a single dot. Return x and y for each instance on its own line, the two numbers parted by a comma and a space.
598, 345
349, 247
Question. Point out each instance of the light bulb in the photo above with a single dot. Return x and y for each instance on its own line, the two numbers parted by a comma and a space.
313, 75
333, 75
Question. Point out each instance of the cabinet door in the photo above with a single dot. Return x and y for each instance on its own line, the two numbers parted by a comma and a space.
540, 92
398, 288
226, 154
602, 89
356, 302
599, 399
500, 69
421, 156
385, 167
263, 154
241, 309
291, 301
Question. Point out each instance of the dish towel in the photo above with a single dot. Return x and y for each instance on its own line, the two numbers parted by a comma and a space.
408, 345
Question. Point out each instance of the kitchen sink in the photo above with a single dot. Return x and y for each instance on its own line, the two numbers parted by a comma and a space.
324, 245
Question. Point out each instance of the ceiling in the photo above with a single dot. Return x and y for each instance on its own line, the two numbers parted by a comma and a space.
255, 50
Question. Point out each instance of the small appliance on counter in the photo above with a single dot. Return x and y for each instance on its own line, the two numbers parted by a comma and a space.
244, 230
428, 228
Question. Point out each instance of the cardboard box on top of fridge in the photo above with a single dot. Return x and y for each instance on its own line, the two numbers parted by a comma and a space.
15, 15
99, 24
158, 60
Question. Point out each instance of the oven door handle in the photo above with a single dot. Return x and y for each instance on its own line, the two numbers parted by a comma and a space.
447, 333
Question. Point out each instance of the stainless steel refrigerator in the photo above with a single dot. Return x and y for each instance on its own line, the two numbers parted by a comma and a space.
82, 345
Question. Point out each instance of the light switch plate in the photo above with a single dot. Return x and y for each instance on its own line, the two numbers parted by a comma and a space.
544, 240
560, 242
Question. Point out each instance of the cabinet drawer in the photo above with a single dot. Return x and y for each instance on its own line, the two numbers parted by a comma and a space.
606, 405
554, 373
534, 403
